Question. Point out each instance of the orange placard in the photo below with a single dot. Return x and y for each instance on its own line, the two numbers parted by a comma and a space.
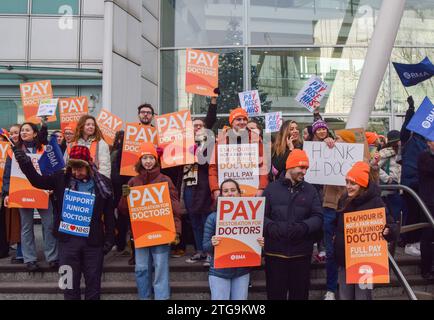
239, 224
4, 147
71, 110
176, 138
31, 94
135, 135
21, 193
202, 72
109, 125
151, 215
366, 253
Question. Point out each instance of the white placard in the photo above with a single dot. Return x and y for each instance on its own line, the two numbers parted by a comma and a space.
329, 166
47, 107
312, 93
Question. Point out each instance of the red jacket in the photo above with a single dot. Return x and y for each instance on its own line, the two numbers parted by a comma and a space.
149, 177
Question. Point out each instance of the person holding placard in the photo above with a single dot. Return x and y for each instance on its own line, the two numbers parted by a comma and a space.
13, 223
226, 283
29, 142
238, 134
196, 192
293, 214
88, 134
148, 169
362, 193
83, 218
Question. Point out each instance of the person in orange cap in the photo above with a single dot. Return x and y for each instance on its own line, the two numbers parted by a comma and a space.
372, 138
362, 193
293, 214
148, 169
238, 133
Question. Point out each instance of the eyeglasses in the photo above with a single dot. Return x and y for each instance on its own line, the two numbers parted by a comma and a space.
146, 112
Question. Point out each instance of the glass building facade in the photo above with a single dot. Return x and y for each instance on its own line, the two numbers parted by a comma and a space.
270, 45
276, 45
59, 40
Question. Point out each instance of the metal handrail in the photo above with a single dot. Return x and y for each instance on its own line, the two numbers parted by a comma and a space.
422, 205
402, 280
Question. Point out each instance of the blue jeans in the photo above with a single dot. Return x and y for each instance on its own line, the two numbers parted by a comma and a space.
143, 270
197, 220
229, 289
329, 232
28, 245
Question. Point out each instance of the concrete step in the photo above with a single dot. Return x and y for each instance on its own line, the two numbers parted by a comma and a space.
192, 289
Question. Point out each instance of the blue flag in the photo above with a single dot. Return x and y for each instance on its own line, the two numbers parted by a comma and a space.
423, 120
412, 74
52, 158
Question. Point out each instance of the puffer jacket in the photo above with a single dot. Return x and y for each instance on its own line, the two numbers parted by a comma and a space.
287, 205
149, 177
369, 200
102, 160
208, 233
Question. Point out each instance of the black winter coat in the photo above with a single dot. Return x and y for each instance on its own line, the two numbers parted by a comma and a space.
285, 206
425, 165
371, 199
102, 223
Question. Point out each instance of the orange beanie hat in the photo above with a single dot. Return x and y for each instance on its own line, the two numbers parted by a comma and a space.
148, 148
237, 113
297, 158
359, 173
371, 137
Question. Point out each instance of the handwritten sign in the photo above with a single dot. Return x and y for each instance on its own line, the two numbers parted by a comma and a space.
329, 166
251, 102
312, 93
273, 122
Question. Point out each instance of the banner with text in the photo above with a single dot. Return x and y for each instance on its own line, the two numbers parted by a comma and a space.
151, 215
109, 125
202, 73
329, 166
251, 102
240, 223
423, 120
21, 193
135, 135
241, 163
71, 110
273, 122
366, 252
47, 107
176, 138
312, 93
31, 95
77, 213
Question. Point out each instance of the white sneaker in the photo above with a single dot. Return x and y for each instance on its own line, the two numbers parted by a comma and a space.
195, 258
330, 296
417, 245
412, 250
207, 262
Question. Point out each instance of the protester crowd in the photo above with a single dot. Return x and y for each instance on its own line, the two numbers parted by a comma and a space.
297, 214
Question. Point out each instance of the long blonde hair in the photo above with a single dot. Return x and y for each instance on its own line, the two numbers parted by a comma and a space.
280, 145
